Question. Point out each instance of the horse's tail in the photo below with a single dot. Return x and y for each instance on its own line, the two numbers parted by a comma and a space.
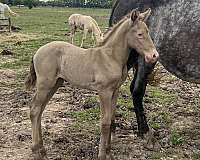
31, 78
112, 12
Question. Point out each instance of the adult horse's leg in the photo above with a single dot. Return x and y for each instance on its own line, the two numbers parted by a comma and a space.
45, 90
132, 60
106, 116
137, 88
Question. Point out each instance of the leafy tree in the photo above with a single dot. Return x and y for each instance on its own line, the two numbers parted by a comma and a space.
4, 1
31, 3
18, 2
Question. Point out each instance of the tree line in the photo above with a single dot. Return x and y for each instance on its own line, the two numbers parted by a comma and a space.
62, 3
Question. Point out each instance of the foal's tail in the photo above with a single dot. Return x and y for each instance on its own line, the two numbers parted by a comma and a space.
31, 78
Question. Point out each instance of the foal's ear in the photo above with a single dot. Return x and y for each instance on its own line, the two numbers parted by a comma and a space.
134, 15
144, 16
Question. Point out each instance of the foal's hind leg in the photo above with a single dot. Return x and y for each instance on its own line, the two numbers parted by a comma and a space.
45, 90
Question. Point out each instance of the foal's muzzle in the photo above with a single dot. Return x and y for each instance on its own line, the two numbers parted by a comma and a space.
152, 58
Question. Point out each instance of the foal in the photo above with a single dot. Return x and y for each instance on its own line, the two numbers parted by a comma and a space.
87, 24
103, 69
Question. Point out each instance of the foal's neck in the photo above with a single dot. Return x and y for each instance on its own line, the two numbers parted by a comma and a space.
97, 31
118, 42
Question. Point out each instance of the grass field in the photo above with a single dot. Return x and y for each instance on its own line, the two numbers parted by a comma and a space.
42, 26
71, 119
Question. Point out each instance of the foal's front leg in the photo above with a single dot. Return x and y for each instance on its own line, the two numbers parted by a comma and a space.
72, 34
93, 39
85, 31
106, 116
114, 103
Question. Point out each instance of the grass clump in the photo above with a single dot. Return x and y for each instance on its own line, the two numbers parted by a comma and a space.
176, 138
196, 155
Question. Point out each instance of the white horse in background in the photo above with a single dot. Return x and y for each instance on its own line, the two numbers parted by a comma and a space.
3, 9
87, 24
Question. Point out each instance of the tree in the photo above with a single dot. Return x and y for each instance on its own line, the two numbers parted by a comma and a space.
31, 3
4, 1
18, 2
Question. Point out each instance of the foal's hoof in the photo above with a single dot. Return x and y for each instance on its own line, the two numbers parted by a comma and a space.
151, 142
107, 157
38, 157
40, 154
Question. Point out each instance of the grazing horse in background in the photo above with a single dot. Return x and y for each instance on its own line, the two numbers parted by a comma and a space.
175, 28
87, 24
3, 8
103, 69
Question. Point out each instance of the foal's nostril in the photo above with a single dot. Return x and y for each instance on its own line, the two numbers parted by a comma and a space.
154, 56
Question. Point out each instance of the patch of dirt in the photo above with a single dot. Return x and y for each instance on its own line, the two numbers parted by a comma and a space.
64, 142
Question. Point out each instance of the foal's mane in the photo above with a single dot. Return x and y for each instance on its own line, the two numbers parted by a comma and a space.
112, 29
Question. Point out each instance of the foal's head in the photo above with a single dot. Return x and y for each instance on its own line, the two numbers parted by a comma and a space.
138, 36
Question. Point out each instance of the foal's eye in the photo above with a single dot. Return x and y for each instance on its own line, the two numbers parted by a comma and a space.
140, 34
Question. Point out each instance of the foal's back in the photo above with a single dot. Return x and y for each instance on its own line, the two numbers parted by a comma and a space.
80, 20
64, 60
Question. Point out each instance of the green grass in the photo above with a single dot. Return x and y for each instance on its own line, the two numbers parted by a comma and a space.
160, 119
176, 138
196, 155
157, 95
196, 105
46, 25
87, 119
89, 115
156, 156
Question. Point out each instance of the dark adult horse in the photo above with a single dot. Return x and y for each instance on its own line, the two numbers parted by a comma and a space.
175, 28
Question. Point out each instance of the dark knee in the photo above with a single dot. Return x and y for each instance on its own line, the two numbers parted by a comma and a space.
132, 87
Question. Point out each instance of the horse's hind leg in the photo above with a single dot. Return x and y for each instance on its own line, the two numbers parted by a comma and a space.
45, 90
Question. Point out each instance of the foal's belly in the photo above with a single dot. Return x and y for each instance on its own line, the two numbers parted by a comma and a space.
79, 75
81, 82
